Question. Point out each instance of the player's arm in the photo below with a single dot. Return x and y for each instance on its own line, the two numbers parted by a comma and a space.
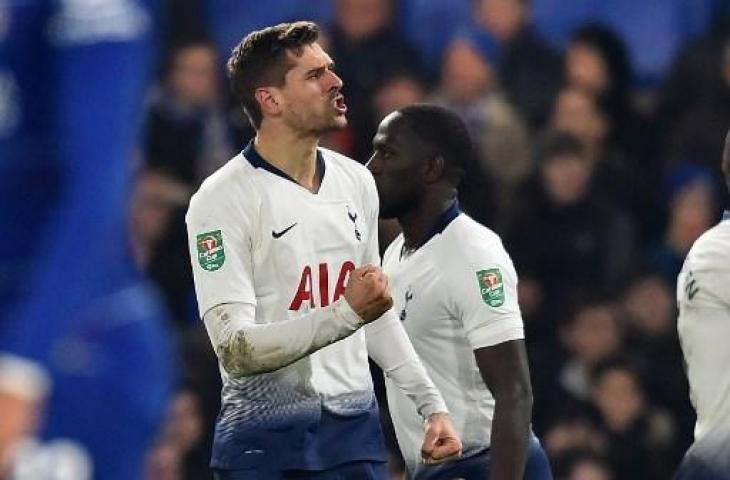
391, 349
482, 291
245, 347
505, 372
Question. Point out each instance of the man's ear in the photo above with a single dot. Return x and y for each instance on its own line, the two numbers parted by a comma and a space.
434, 169
269, 101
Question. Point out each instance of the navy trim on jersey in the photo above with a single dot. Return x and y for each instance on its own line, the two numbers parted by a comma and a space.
442, 222
258, 161
726, 215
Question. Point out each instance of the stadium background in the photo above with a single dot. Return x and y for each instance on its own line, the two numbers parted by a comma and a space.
599, 127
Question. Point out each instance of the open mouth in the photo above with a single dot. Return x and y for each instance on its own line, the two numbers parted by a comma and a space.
339, 104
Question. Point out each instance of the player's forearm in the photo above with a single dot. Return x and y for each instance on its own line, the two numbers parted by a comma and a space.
390, 348
510, 437
245, 348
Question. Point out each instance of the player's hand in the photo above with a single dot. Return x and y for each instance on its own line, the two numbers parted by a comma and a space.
441, 442
367, 292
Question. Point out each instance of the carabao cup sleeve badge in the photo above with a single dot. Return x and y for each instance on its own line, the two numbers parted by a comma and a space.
211, 254
491, 286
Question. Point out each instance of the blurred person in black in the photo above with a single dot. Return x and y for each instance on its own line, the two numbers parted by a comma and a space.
583, 464
367, 47
597, 63
186, 132
649, 310
591, 335
530, 69
564, 236
641, 437
692, 204
569, 434
618, 178
470, 87
695, 135
694, 79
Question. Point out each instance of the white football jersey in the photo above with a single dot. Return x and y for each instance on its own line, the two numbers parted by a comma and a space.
455, 294
703, 296
259, 238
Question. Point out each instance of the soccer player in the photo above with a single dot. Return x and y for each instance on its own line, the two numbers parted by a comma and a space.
703, 297
455, 289
283, 241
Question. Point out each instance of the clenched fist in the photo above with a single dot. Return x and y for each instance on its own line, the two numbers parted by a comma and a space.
367, 292
441, 443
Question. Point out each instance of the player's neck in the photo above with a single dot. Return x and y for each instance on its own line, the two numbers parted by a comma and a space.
418, 223
294, 155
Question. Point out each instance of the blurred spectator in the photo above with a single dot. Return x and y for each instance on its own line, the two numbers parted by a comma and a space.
692, 210
400, 90
694, 75
590, 336
582, 464
570, 434
618, 178
589, 468
470, 86
561, 234
649, 308
157, 225
186, 132
640, 436
367, 47
179, 442
697, 132
597, 63
529, 69
154, 198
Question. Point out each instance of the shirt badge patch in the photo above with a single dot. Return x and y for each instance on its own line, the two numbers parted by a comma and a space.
491, 286
211, 254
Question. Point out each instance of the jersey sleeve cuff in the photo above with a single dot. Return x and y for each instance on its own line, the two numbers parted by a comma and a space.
346, 314
23, 378
503, 331
437, 405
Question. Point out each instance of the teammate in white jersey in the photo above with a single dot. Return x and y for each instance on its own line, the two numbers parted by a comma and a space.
283, 241
703, 298
455, 288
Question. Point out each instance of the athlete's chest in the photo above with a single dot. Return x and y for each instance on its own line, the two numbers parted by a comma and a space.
309, 244
419, 295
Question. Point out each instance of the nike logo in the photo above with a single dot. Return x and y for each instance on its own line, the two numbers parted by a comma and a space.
353, 216
279, 234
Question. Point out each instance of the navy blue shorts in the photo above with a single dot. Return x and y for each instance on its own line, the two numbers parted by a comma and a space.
348, 471
476, 467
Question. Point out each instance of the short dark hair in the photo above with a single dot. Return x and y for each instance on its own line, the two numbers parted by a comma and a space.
260, 59
444, 133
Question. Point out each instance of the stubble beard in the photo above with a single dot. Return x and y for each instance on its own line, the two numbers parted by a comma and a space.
317, 124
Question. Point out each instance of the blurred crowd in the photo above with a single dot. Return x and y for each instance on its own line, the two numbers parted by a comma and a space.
597, 163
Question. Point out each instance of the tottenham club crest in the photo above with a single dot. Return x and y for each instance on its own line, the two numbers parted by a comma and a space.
211, 254
352, 215
408, 297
